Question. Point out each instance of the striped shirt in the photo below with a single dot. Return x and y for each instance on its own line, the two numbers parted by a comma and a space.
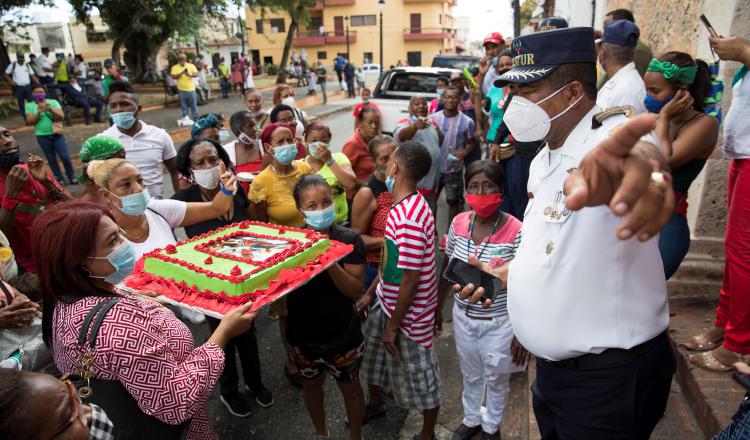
501, 245
410, 245
457, 132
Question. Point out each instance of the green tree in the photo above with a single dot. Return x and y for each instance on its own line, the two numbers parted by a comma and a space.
297, 10
141, 27
14, 20
527, 11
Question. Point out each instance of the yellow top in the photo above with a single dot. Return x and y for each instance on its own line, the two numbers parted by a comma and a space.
276, 191
185, 82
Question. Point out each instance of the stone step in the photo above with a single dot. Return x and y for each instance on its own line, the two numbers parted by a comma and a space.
713, 246
692, 289
700, 267
713, 397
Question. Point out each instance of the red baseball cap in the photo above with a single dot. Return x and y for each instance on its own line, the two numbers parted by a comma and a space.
494, 38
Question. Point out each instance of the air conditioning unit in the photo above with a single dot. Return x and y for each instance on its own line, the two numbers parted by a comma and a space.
274, 30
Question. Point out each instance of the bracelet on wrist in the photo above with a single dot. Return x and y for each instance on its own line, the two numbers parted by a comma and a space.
330, 162
226, 192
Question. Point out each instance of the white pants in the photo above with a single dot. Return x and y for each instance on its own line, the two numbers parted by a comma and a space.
483, 348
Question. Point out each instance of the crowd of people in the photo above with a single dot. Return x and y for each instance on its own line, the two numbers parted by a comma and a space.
557, 191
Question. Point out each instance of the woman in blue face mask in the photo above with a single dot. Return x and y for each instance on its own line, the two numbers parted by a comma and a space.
677, 87
84, 240
145, 222
210, 126
324, 332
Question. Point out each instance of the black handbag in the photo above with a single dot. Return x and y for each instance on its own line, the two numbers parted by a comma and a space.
130, 422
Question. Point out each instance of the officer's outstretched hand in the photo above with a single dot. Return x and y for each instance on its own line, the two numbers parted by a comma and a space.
625, 174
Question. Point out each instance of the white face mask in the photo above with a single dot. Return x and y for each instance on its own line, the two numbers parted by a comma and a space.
245, 139
289, 100
527, 121
208, 179
255, 115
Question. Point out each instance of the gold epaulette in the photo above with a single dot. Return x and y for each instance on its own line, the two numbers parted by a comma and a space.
598, 119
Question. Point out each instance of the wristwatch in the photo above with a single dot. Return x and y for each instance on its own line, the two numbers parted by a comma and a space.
8, 203
331, 162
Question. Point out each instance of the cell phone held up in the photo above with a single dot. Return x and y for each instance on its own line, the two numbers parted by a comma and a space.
711, 31
462, 273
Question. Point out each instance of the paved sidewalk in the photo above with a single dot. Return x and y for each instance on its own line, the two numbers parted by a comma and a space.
167, 119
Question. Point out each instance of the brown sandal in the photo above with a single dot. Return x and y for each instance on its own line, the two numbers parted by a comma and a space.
708, 361
701, 342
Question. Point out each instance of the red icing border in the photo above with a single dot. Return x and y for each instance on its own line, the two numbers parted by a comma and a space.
236, 279
286, 281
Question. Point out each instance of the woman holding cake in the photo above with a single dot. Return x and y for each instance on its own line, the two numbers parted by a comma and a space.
335, 168
200, 160
272, 202
145, 222
323, 329
81, 255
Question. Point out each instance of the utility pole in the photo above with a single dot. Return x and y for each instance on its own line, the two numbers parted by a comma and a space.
241, 31
593, 12
381, 6
516, 18
346, 20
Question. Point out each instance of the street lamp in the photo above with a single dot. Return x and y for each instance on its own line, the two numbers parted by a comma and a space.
346, 20
381, 7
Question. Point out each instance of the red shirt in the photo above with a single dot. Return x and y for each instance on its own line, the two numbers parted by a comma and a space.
358, 108
356, 150
32, 199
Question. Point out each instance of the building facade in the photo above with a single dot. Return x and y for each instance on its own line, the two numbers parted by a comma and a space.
414, 31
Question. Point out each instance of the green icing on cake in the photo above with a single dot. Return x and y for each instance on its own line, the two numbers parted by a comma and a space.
185, 251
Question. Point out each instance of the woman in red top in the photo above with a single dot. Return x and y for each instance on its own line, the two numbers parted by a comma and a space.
372, 203
245, 153
81, 256
355, 147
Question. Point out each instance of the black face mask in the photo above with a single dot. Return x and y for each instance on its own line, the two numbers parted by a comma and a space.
9, 159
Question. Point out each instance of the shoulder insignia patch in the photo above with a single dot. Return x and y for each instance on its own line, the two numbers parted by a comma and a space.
600, 117
572, 170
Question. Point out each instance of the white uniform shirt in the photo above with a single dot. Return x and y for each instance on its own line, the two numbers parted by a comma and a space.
20, 73
625, 88
573, 286
736, 129
148, 149
43, 63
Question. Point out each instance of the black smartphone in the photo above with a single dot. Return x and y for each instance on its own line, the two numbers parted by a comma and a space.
462, 273
711, 31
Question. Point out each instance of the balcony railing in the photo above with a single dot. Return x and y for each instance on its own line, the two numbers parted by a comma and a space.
421, 33
321, 3
315, 38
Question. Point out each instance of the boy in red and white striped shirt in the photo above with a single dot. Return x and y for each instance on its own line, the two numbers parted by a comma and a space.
400, 327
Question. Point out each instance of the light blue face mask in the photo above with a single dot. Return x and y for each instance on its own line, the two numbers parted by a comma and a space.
223, 135
122, 259
124, 120
134, 204
320, 220
285, 154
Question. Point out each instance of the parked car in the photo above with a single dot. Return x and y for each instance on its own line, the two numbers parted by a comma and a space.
372, 73
397, 86
457, 62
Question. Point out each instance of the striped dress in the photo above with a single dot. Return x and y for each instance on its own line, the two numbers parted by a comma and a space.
501, 245
410, 245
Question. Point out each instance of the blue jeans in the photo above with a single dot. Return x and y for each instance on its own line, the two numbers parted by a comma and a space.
55, 146
739, 428
674, 243
323, 89
516, 195
189, 104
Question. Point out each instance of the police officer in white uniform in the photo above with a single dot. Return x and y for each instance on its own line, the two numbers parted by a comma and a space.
586, 290
625, 85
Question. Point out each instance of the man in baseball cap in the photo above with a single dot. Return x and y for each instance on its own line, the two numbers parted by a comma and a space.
552, 23
625, 86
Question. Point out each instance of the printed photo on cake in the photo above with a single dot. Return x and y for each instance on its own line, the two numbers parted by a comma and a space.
253, 248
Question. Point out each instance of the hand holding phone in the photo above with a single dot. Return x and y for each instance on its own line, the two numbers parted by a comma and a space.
711, 31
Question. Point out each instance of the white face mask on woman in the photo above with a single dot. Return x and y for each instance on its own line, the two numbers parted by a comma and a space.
208, 179
289, 100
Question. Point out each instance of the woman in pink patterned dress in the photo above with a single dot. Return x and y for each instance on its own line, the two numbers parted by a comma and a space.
82, 256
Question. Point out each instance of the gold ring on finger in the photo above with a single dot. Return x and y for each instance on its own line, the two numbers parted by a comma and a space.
660, 180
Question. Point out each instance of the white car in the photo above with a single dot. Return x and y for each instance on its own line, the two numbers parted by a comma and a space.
397, 86
372, 73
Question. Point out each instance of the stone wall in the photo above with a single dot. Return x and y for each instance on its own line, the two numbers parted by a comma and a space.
665, 24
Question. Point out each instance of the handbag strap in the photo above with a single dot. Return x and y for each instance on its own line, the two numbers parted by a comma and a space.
97, 314
8, 296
